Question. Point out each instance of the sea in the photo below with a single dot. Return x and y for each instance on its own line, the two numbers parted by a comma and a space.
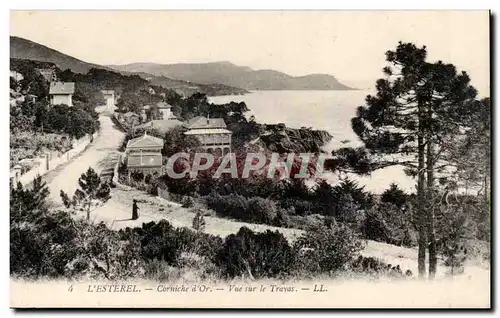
326, 110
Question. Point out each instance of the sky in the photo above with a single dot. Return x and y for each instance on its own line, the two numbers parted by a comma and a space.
350, 45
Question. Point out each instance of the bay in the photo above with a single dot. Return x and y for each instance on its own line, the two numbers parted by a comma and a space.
326, 110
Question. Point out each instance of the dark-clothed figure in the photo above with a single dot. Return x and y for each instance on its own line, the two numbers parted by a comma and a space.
135, 211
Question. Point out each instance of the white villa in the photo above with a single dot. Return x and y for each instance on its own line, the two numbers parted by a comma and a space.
212, 133
109, 97
61, 93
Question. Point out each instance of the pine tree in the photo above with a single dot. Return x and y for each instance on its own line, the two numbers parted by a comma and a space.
91, 188
418, 106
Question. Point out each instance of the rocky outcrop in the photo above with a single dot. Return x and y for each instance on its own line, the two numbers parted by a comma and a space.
279, 138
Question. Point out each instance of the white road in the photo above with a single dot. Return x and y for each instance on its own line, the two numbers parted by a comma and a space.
66, 176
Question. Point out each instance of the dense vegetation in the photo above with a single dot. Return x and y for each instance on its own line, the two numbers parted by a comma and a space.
55, 244
35, 125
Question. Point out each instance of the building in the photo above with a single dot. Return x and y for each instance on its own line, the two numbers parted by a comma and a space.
61, 93
161, 125
165, 109
212, 134
109, 97
144, 154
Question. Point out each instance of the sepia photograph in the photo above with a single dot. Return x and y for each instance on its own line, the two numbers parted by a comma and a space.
250, 159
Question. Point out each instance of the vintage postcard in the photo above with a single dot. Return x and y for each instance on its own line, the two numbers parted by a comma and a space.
250, 159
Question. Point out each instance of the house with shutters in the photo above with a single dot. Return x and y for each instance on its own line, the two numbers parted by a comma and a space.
61, 93
143, 154
212, 134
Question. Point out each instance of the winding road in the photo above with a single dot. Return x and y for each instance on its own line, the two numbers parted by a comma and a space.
65, 177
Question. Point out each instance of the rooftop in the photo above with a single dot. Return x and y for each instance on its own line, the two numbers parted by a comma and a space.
163, 125
130, 114
207, 131
201, 122
163, 105
145, 141
60, 88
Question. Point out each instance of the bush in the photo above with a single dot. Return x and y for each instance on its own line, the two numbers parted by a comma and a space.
394, 195
389, 224
349, 188
258, 255
160, 241
348, 211
261, 210
327, 249
254, 210
300, 207
306, 222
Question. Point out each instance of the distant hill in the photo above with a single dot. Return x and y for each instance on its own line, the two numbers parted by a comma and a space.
25, 49
240, 76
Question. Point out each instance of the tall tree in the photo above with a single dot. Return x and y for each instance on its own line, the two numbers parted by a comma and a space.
417, 106
91, 188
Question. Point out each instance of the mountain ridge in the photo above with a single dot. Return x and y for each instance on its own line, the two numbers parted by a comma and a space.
227, 73
21, 48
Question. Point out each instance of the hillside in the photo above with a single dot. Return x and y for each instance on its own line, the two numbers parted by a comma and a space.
25, 49
187, 88
240, 76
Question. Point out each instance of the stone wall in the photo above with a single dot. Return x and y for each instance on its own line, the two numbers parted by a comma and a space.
49, 161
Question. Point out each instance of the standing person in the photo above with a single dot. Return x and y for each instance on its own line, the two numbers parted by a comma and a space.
135, 210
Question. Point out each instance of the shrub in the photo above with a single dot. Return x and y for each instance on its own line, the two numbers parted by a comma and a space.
300, 207
254, 210
187, 202
137, 176
282, 218
198, 220
348, 211
306, 222
261, 210
394, 195
390, 224
453, 230
349, 188
327, 249
163, 242
374, 267
258, 255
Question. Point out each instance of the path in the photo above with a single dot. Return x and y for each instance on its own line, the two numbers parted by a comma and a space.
65, 177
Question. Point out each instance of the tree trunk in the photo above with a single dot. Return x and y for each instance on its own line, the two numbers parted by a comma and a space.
88, 211
486, 174
422, 238
431, 231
